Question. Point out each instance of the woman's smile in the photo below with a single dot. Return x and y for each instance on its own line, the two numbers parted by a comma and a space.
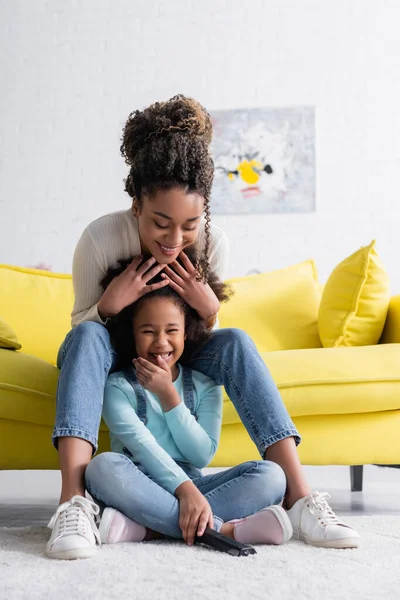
168, 250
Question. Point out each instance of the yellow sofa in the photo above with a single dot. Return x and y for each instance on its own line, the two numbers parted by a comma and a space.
344, 401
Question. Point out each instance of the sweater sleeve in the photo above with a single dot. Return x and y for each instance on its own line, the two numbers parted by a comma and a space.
87, 272
219, 257
122, 420
219, 252
198, 440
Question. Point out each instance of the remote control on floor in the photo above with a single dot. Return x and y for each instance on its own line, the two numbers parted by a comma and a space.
224, 544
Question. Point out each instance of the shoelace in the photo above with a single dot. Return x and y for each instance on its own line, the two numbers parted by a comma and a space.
72, 520
320, 508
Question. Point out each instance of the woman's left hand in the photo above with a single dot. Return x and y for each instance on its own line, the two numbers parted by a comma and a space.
197, 294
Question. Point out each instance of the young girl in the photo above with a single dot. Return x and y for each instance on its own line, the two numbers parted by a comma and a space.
171, 172
165, 423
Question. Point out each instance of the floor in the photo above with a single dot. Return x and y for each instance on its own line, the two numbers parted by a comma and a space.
30, 497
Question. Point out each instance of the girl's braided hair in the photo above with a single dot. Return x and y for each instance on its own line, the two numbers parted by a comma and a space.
167, 145
120, 326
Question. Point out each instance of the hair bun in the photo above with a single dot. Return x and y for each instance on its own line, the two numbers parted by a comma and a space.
179, 115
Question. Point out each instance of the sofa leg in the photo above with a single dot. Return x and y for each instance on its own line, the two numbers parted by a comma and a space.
356, 478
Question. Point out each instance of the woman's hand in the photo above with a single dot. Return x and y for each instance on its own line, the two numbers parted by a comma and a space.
197, 294
195, 513
129, 286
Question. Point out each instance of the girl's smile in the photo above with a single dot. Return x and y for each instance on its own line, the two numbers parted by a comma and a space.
164, 355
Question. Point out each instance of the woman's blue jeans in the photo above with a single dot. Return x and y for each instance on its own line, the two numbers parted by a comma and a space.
114, 480
230, 357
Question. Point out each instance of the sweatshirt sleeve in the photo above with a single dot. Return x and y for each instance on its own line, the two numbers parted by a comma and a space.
198, 440
122, 420
87, 272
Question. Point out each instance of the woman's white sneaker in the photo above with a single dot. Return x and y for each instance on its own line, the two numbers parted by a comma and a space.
74, 531
315, 523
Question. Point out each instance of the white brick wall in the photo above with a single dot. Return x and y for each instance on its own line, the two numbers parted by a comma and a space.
70, 73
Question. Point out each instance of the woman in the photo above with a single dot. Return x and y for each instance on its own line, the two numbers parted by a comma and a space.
170, 179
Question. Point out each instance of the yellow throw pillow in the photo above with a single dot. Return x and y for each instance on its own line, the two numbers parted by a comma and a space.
279, 309
355, 301
8, 337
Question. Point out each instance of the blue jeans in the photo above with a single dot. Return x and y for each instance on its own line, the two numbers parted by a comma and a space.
230, 357
114, 480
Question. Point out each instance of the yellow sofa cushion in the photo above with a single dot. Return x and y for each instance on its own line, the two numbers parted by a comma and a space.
27, 388
279, 309
355, 301
312, 382
8, 337
37, 304
326, 440
333, 381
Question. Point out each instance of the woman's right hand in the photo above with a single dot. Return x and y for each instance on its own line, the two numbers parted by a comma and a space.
195, 513
129, 286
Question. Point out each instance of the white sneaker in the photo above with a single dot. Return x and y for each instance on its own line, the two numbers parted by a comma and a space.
315, 523
74, 531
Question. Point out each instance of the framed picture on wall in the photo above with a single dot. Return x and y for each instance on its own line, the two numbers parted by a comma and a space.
264, 160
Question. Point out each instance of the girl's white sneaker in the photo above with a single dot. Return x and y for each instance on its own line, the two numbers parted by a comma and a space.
315, 523
74, 531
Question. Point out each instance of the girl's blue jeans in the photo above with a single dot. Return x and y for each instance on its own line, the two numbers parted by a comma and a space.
230, 357
114, 480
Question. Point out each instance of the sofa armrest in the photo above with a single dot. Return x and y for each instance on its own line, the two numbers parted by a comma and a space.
391, 331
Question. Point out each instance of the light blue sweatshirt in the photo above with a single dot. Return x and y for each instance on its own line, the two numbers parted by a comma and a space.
167, 437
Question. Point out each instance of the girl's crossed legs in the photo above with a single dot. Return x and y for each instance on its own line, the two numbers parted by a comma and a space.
115, 481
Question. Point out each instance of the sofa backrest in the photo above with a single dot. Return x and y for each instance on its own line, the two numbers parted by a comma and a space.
37, 304
279, 309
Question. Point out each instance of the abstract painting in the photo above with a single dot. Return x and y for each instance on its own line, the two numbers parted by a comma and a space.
264, 160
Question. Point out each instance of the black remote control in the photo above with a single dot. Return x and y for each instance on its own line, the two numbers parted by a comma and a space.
224, 544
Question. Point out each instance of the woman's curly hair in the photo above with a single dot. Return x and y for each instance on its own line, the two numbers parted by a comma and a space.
120, 326
167, 145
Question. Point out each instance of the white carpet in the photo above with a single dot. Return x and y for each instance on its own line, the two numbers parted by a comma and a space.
174, 571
